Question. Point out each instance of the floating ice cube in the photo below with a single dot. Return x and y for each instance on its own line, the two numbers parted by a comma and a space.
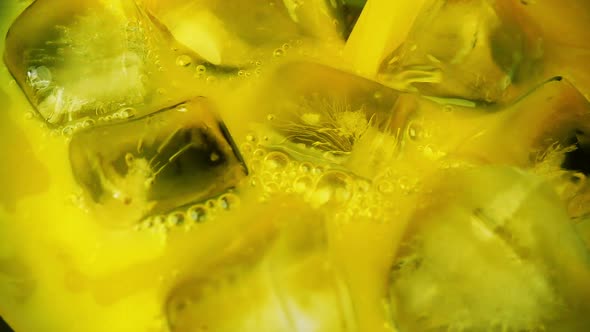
71, 66
154, 164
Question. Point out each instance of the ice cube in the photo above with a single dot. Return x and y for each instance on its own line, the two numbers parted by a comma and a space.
234, 33
314, 110
153, 164
72, 67
476, 50
507, 256
284, 283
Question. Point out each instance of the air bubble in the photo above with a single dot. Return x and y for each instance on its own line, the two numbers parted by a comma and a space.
40, 78
276, 160
279, 52
251, 138
67, 131
305, 167
175, 219
158, 220
286, 46
246, 148
302, 184
258, 153
415, 131
201, 69
334, 186
271, 117
317, 170
211, 204
88, 123
127, 112
183, 60
197, 213
229, 201
385, 187
211, 79
129, 159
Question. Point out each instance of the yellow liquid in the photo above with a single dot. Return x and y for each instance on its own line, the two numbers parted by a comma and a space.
308, 240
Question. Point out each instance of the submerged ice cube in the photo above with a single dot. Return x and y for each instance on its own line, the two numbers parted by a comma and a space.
506, 257
150, 165
71, 67
284, 283
314, 111
477, 50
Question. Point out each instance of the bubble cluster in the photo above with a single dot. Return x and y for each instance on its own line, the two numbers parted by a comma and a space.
189, 216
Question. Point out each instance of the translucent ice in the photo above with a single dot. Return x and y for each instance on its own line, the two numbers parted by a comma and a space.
506, 257
287, 284
476, 50
70, 67
154, 164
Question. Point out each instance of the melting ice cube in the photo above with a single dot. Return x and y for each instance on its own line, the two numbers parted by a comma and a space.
84, 59
154, 164
287, 284
475, 50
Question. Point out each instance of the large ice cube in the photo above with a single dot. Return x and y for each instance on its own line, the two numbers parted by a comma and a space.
234, 33
314, 111
71, 66
506, 257
154, 164
283, 282
478, 50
